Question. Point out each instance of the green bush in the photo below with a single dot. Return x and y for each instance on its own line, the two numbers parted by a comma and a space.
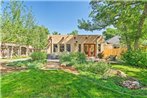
35, 64
135, 58
19, 63
94, 67
38, 56
28, 64
72, 58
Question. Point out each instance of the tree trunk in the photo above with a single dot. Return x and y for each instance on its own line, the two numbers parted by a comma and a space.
128, 42
140, 25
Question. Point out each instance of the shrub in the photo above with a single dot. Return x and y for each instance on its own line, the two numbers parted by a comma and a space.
38, 56
35, 64
135, 58
94, 67
28, 64
72, 58
18, 63
100, 55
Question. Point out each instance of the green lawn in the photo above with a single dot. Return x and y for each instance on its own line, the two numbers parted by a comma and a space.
58, 84
138, 73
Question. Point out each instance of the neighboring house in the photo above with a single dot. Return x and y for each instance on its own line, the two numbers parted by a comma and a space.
114, 42
91, 45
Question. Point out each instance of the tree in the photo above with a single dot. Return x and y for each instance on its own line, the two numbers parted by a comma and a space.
74, 32
12, 22
19, 26
41, 35
29, 25
56, 33
109, 33
127, 16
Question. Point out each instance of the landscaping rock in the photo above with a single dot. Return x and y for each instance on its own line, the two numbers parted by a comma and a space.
63, 64
131, 84
119, 73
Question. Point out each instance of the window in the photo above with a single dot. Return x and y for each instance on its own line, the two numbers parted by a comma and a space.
79, 48
99, 47
61, 47
55, 47
68, 47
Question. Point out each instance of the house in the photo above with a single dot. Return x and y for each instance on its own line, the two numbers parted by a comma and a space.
114, 42
91, 45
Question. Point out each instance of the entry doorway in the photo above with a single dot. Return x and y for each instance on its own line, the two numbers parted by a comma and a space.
90, 50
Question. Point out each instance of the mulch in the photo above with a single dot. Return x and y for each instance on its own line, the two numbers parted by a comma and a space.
7, 69
69, 69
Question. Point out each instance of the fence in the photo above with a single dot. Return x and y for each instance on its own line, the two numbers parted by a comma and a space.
113, 51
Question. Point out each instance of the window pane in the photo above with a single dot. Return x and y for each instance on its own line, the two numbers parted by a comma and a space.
61, 47
79, 48
68, 48
55, 48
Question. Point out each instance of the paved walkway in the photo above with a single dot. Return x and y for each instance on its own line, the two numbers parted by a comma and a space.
13, 60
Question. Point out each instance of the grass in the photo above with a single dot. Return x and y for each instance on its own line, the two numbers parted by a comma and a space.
138, 73
35, 83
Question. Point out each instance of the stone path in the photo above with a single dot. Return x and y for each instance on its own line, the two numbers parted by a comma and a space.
13, 60
55, 65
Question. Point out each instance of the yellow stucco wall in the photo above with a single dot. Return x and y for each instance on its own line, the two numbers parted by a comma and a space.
74, 41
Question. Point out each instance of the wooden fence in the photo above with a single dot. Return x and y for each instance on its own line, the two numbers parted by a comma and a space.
114, 51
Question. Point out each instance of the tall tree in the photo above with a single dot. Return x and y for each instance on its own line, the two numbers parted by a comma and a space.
56, 33
74, 32
41, 35
19, 26
29, 25
127, 16
12, 22
109, 33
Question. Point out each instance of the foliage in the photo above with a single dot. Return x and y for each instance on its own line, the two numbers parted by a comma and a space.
41, 35
100, 55
27, 64
138, 73
129, 17
135, 58
72, 58
75, 32
19, 26
94, 67
38, 56
56, 33
109, 33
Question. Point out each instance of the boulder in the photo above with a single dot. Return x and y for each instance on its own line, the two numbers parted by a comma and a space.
131, 84
119, 73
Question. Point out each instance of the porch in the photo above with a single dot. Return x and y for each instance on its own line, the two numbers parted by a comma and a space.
10, 50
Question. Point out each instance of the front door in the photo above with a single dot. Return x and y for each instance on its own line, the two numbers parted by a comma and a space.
90, 50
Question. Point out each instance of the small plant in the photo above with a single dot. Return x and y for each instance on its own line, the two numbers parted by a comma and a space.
100, 55
28, 64
94, 67
38, 56
72, 58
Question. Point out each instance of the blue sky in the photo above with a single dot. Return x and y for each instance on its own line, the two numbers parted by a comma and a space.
61, 16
